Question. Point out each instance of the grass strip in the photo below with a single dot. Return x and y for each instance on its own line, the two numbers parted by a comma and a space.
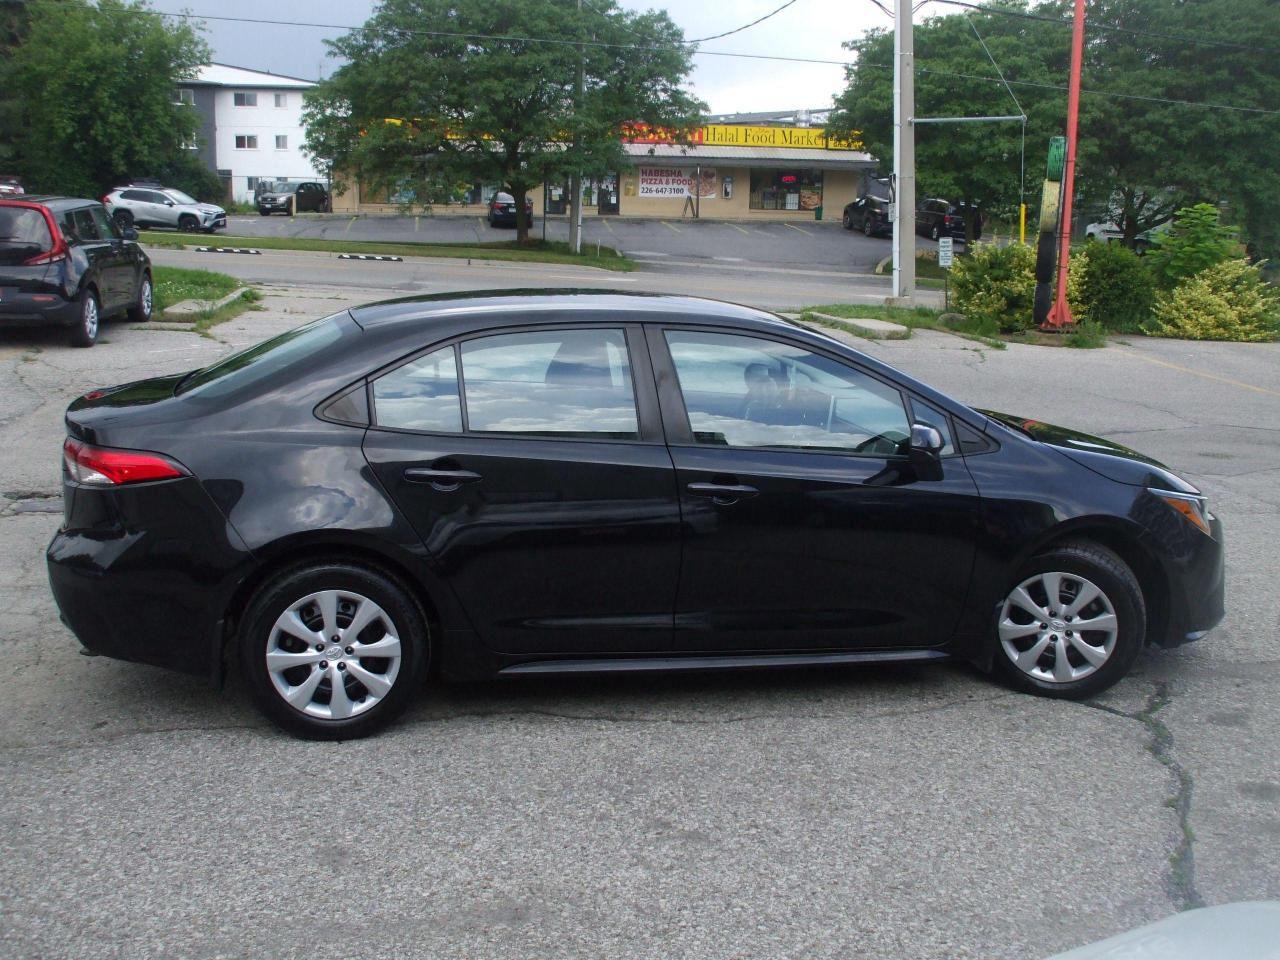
551, 251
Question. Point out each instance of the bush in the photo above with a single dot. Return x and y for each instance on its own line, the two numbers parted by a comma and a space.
1227, 301
1197, 240
995, 286
1117, 289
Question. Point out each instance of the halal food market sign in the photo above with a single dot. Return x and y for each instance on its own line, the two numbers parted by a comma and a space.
734, 135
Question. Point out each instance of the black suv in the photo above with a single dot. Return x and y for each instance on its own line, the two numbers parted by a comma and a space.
64, 262
870, 215
941, 218
291, 198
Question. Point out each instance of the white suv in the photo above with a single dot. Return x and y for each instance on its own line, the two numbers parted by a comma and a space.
163, 207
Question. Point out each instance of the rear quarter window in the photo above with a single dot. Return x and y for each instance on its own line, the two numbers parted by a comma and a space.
291, 350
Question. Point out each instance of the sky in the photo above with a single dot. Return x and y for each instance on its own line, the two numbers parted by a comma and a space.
808, 28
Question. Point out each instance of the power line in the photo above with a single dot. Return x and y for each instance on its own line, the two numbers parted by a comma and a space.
1094, 25
703, 53
745, 26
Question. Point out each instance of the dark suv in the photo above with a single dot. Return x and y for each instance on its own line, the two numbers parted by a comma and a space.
942, 218
870, 215
64, 262
293, 198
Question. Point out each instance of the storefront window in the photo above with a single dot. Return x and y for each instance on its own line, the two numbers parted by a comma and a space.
786, 189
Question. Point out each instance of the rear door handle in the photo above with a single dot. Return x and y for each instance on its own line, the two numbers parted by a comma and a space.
723, 493
442, 480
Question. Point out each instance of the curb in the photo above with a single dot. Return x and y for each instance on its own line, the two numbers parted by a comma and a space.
370, 256
871, 329
227, 250
186, 308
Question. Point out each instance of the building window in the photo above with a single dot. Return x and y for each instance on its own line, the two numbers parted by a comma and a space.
185, 97
244, 142
282, 142
786, 189
251, 184
282, 99
245, 99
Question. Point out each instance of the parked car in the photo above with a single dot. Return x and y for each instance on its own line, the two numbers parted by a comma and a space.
155, 206
502, 210
10, 186
65, 263
868, 214
942, 218
626, 483
1111, 233
290, 198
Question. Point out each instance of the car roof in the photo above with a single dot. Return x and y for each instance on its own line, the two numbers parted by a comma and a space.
533, 306
52, 202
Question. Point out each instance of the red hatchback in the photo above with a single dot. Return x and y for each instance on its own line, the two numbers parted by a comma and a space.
65, 263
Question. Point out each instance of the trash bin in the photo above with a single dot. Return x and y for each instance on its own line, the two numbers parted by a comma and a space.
817, 212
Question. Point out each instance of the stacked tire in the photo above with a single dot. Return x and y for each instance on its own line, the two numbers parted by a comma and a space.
1047, 242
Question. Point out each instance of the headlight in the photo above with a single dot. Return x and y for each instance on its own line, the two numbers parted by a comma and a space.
1194, 508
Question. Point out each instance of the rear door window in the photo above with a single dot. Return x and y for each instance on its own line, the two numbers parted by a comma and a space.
106, 226
421, 395
86, 229
23, 234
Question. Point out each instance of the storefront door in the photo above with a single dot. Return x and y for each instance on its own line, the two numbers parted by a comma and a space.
607, 194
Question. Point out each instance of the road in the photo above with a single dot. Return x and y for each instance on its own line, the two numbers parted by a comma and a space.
898, 812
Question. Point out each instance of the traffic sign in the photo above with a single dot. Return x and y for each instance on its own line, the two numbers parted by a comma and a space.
944, 252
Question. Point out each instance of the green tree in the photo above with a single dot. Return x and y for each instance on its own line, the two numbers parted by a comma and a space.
1140, 159
1198, 240
435, 91
91, 86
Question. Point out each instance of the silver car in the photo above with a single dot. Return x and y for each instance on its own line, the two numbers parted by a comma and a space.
163, 207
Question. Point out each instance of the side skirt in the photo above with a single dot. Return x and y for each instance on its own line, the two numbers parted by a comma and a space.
662, 664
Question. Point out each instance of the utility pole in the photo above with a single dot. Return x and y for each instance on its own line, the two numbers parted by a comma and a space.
904, 158
1060, 313
575, 181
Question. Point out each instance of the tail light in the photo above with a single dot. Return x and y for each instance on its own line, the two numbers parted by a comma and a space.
104, 467
946, 219
106, 200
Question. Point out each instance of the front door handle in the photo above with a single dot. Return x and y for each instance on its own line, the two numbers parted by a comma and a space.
723, 493
445, 481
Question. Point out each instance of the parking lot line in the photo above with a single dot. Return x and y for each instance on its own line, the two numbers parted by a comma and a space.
415, 224
671, 226
608, 226
347, 228
738, 228
1207, 376
801, 229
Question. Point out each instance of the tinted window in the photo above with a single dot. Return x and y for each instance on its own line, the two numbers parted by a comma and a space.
83, 224
292, 348
567, 383
106, 228
421, 395
744, 391
134, 195
153, 197
23, 234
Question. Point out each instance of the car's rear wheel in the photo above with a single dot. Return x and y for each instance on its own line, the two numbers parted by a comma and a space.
1073, 623
140, 312
933, 234
867, 229
333, 651
123, 219
848, 220
188, 224
85, 331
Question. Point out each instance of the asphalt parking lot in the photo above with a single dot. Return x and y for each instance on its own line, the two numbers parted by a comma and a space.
813, 244
896, 812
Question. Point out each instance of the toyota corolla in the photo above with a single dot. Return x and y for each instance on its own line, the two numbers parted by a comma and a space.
515, 483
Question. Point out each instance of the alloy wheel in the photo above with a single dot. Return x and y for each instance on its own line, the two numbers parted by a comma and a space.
333, 655
146, 299
89, 317
1058, 627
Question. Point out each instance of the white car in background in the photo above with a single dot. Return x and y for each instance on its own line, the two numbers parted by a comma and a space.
157, 206
1110, 233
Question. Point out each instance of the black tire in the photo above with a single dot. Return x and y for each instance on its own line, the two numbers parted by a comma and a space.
1043, 303
1119, 585
123, 219
297, 583
188, 224
1046, 257
934, 233
847, 220
867, 229
264, 213
89, 320
144, 302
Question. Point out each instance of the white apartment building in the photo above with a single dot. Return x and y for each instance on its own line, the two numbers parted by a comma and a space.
251, 126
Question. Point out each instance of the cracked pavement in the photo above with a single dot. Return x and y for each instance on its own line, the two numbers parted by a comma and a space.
920, 811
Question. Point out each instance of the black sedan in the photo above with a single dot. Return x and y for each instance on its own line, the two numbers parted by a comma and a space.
65, 263
506, 484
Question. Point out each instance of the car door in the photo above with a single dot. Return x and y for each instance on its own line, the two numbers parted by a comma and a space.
82, 230
121, 263
161, 210
805, 525
532, 465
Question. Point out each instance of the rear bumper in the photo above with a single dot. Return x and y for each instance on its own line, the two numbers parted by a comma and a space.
145, 572
50, 310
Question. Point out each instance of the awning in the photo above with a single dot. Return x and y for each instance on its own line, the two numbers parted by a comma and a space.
663, 154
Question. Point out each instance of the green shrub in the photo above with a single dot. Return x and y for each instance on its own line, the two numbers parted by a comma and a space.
1226, 301
995, 286
1197, 240
1117, 289
1087, 335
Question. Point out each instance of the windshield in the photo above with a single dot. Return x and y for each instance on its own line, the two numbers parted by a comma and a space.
180, 196
23, 232
259, 362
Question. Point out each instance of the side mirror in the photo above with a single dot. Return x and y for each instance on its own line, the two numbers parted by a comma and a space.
130, 233
168, 203
925, 451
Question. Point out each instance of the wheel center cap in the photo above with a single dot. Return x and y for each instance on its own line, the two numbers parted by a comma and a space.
1057, 624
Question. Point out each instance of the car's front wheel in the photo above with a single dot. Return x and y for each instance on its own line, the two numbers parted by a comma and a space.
333, 651
88, 321
866, 227
188, 224
144, 303
1073, 623
848, 220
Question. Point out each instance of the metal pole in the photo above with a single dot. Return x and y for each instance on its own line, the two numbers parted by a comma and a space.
697, 191
904, 158
1060, 313
575, 179
1022, 186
